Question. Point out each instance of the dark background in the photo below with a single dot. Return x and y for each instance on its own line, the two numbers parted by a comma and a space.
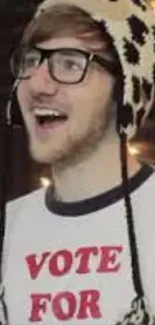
16, 167
20, 172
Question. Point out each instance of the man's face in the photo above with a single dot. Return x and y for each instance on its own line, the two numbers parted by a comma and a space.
84, 105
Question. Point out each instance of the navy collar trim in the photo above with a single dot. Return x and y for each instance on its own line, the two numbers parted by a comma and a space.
72, 209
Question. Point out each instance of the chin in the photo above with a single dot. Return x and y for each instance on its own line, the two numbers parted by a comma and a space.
40, 158
44, 154
39, 154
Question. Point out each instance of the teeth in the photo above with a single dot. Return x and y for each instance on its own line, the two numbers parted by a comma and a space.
47, 112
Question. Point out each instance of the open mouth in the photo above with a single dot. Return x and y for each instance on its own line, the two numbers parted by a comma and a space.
47, 118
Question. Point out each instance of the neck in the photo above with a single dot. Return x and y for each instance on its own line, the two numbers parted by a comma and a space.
95, 174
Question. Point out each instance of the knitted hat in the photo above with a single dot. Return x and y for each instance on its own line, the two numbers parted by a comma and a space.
131, 27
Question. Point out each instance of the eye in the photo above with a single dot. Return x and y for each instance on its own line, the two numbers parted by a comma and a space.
72, 64
31, 59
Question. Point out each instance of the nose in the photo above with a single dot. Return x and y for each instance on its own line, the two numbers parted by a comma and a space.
42, 82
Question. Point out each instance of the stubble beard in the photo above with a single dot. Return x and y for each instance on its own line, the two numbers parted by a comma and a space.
76, 149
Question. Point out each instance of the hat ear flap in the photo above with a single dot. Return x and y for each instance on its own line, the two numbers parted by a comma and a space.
117, 89
118, 98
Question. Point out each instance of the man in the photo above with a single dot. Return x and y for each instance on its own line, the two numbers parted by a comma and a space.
82, 251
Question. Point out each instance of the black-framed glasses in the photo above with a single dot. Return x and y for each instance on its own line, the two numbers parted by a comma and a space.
66, 65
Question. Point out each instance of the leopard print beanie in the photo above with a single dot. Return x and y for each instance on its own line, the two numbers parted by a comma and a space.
131, 27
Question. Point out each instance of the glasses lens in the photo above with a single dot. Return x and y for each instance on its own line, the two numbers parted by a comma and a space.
23, 62
67, 66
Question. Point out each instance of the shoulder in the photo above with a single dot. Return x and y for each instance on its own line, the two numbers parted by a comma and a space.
35, 197
22, 206
16, 210
149, 184
145, 180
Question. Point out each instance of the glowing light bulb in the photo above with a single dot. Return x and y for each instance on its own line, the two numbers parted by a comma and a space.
44, 181
134, 151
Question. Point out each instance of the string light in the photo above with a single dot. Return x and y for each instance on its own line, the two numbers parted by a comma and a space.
133, 150
44, 181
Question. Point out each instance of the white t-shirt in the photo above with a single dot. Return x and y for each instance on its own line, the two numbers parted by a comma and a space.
70, 263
